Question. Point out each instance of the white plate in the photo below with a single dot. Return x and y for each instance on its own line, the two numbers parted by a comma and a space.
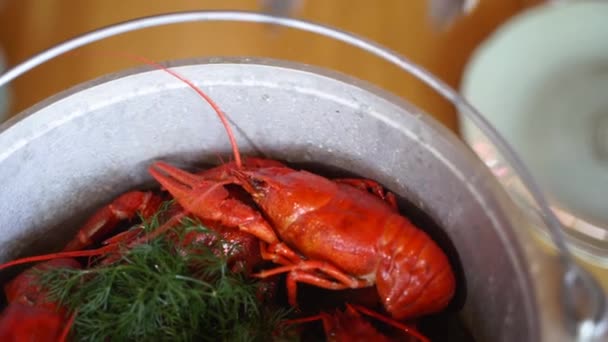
542, 80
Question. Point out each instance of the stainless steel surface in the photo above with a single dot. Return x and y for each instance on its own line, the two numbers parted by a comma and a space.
89, 144
595, 315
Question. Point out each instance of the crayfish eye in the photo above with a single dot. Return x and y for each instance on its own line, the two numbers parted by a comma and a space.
258, 184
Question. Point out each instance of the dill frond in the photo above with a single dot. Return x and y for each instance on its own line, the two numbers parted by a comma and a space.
153, 294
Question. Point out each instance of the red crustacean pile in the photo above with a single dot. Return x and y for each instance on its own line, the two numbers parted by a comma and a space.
334, 234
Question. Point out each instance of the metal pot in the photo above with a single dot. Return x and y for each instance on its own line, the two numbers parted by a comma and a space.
78, 149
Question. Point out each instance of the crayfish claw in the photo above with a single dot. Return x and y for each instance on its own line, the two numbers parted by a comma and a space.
173, 175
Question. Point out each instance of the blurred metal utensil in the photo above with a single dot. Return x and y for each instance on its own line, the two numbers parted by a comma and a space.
283, 8
443, 13
280, 8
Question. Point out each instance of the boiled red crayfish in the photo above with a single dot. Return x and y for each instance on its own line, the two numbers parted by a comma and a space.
31, 316
335, 234
328, 233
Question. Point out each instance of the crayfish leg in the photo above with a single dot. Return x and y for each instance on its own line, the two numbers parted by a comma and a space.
307, 271
347, 326
407, 329
279, 253
124, 207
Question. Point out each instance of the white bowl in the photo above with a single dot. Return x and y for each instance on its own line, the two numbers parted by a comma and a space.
542, 81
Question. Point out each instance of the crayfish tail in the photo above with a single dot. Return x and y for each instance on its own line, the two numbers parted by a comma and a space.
414, 276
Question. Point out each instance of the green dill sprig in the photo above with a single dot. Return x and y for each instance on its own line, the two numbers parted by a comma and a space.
153, 294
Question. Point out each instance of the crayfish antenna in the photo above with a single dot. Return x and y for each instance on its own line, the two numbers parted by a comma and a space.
216, 108
71, 254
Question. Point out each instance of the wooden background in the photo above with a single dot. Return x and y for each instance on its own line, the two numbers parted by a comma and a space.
29, 26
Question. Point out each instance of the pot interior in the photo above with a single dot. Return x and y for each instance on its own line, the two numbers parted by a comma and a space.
68, 155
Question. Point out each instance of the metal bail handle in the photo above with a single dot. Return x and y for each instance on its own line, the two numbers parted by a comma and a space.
584, 301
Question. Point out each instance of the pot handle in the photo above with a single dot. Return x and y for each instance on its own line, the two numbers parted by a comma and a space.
584, 301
